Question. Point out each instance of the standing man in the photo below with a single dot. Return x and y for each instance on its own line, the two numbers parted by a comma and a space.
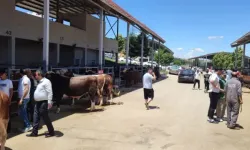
24, 98
233, 92
221, 106
43, 96
32, 90
148, 87
197, 77
214, 94
206, 81
229, 75
7, 87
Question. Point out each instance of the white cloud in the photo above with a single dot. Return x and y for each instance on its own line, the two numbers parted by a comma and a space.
215, 37
198, 50
193, 52
179, 49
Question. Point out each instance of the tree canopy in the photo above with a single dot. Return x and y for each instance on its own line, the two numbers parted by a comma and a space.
227, 60
163, 58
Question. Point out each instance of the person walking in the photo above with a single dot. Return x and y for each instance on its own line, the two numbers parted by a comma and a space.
6, 86
221, 106
43, 97
197, 78
24, 98
233, 94
33, 83
206, 81
214, 94
148, 86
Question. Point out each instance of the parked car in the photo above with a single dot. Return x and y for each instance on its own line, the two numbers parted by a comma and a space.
186, 75
174, 70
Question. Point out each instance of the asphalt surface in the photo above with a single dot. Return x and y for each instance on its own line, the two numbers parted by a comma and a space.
177, 121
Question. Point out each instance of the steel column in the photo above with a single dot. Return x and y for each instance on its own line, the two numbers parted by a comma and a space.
142, 48
58, 53
46, 35
243, 57
101, 39
127, 44
13, 52
152, 52
117, 28
85, 57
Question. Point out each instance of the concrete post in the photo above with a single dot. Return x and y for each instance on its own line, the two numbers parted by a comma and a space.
236, 51
101, 39
127, 44
46, 35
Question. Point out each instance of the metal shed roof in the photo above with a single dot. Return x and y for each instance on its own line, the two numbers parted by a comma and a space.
245, 39
89, 6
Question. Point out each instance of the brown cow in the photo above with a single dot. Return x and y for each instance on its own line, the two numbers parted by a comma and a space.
4, 118
74, 87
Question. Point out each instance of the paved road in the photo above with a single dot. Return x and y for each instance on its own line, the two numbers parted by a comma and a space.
179, 124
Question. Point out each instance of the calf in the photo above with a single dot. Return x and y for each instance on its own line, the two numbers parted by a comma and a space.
4, 118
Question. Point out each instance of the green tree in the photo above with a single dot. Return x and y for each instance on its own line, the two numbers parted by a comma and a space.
237, 55
177, 62
163, 58
223, 60
121, 43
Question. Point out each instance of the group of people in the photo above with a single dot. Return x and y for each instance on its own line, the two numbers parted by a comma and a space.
31, 89
225, 93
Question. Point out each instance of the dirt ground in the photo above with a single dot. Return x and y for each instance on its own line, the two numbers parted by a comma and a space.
177, 121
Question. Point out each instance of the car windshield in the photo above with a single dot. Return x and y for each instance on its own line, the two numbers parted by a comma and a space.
187, 72
175, 67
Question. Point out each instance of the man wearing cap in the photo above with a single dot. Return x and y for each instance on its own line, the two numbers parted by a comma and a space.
7, 87
214, 94
233, 94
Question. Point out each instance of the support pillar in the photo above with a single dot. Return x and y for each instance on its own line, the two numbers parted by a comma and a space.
46, 35
117, 29
152, 52
142, 49
13, 52
206, 62
127, 44
243, 57
235, 64
85, 57
101, 39
58, 54
116, 58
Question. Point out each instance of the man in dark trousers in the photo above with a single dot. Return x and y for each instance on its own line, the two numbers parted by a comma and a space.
43, 96
214, 94
206, 81
233, 94
32, 90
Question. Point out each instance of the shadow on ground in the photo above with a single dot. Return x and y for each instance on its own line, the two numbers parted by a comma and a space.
81, 106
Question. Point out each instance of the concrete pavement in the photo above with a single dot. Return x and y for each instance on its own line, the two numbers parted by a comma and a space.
179, 124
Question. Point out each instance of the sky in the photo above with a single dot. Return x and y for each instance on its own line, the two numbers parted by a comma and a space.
192, 27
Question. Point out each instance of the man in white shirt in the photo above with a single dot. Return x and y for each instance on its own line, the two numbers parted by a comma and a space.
214, 94
197, 78
7, 87
148, 86
43, 96
24, 98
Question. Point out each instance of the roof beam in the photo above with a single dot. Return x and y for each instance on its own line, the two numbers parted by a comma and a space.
18, 1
